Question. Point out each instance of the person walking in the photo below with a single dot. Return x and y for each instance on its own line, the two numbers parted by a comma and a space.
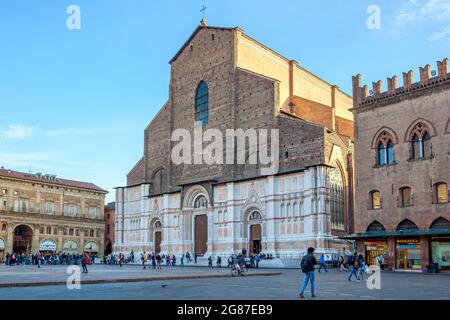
308, 266
158, 261
84, 262
143, 259
362, 267
153, 261
352, 262
219, 262
174, 261
341, 264
210, 262
38, 258
182, 260
322, 263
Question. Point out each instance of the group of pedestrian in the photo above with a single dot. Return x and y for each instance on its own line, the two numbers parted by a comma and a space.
356, 262
46, 258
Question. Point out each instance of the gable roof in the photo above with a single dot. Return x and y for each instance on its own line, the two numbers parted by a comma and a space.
193, 36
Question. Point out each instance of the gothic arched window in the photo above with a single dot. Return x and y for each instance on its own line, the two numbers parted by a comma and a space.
336, 186
385, 149
202, 103
420, 142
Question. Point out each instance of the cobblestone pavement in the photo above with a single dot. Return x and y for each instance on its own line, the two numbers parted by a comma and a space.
330, 286
21, 275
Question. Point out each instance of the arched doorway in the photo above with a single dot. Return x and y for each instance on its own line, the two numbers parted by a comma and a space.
254, 220
201, 225
23, 239
158, 236
108, 248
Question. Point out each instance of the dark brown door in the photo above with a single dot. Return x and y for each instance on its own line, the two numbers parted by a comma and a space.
255, 240
201, 235
158, 237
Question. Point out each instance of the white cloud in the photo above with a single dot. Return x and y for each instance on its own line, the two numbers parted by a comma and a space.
17, 132
423, 10
70, 132
440, 35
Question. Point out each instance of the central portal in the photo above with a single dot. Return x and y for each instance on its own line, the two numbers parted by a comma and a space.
256, 238
201, 235
158, 238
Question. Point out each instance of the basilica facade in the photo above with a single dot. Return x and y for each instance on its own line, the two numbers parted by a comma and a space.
223, 79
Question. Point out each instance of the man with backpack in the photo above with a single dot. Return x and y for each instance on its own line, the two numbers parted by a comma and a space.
308, 266
353, 265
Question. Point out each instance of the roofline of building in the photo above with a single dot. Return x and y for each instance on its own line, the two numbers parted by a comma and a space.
57, 183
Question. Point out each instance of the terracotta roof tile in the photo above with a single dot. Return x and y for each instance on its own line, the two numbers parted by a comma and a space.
57, 181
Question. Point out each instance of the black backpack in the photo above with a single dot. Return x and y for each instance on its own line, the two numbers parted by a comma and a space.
304, 265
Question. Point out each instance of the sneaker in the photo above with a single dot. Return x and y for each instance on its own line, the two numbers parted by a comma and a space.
313, 296
302, 296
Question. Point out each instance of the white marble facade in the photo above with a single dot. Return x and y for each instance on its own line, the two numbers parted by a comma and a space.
293, 210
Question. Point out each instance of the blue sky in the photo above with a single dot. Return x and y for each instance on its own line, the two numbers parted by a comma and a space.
75, 102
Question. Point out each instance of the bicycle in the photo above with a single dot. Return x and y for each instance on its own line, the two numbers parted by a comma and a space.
239, 270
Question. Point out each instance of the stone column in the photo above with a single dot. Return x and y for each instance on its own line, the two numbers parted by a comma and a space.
424, 249
60, 239
36, 234
82, 234
10, 238
390, 259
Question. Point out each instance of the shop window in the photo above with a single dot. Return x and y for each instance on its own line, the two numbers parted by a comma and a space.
440, 193
405, 197
375, 200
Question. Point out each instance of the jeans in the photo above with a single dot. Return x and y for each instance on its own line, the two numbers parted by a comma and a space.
352, 272
322, 265
361, 273
309, 277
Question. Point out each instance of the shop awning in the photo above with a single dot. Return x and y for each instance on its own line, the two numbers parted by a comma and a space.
405, 233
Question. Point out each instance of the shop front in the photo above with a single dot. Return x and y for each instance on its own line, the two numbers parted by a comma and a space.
440, 252
375, 249
409, 255
2, 250
91, 248
70, 247
47, 246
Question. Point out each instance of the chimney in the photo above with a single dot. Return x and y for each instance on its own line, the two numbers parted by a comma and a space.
392, 84
425, 74
377, 88
442, 68
408, 79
